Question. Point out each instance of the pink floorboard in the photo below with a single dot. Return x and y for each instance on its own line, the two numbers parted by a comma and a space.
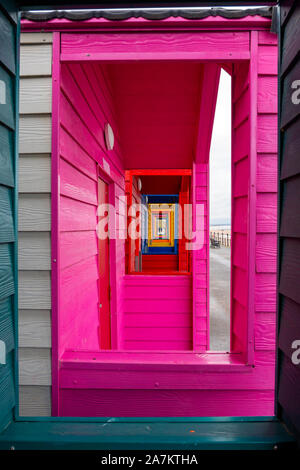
160, 369
137, 403
147, 296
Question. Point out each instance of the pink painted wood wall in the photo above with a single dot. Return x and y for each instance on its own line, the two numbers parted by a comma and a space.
157, 313
228, 389
240, 165
157, 111
128, 383
86, 105
132, 249
165, 403
266, 198
200, 257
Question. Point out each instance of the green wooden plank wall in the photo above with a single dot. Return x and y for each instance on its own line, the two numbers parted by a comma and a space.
8, 34
288, 390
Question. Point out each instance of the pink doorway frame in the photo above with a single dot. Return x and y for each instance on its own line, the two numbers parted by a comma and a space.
219, 56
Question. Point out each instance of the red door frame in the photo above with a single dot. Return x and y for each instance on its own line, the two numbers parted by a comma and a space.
129, 179
112, 264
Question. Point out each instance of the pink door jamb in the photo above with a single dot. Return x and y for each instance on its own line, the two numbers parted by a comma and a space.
104, 271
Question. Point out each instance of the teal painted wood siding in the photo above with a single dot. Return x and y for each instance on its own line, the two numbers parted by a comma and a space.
8, 68
288, 390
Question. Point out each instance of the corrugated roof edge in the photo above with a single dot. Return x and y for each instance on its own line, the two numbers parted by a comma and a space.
113, 15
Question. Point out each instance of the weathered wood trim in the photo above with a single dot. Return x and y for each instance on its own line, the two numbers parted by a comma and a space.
35, 95
35, 173
34, 212
35, 366
35, 60
34, 328
34, 290
34, 251
35, 400
35, 134
36, 38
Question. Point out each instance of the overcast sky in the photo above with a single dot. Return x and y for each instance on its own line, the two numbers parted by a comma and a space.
220, 156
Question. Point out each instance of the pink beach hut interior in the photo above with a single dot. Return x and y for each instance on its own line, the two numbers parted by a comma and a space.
129, 341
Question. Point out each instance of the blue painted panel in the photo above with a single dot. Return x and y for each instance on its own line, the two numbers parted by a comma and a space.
288, 368
159, 199
6, 215
6, 156
7, 41
162, 198
147, 434
7, 395
6, 323
157, 250
7, 287
7, 82
9, 31
10, 9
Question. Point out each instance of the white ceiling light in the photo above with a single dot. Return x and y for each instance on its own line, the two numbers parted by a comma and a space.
139, 183
109, 136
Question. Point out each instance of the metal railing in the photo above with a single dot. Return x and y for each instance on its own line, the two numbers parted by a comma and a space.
223, 238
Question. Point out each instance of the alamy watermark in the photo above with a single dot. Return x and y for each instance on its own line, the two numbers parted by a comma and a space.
296, 94
296, 354
120, 222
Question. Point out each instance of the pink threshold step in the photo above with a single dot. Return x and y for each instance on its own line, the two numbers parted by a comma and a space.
136, 383
148, 360
136, 369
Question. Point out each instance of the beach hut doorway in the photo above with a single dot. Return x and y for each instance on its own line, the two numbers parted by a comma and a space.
162, 220
158, 101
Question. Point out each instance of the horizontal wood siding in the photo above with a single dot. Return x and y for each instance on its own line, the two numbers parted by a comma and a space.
201, 260
128, 403
152, 263
186, 45
289, 254
240, 202
255, 157
86, 105
35, 400
188, 383
35, 225
150, 320
8, 40
266, 197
